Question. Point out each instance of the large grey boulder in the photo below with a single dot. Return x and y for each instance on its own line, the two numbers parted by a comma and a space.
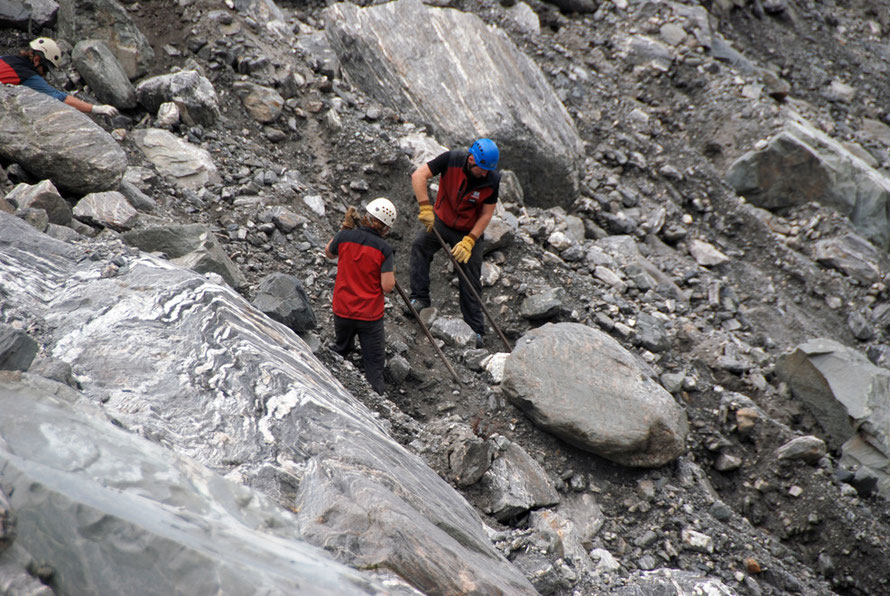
192, 93
107, 20
848, 395
107, 209
187, 165
481, 85
190, 364
802, 164
53, 140
113, 513
28, 14
101, 70
581, 385
191, 245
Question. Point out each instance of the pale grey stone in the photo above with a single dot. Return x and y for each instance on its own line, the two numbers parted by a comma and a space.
706, 254
108, 209
582, 386
42, 195
187, 165
453, 331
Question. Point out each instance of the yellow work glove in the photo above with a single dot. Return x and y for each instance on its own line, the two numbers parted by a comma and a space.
426, 216
463, 249
349, 219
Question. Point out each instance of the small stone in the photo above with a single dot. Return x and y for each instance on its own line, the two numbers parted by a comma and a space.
752, 565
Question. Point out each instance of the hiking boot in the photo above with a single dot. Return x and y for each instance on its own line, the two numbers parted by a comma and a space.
480, 343
418, 306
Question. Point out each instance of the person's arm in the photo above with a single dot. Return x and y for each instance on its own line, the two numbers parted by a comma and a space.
419, 180
79, 104
387, 281
484, 219
327, 249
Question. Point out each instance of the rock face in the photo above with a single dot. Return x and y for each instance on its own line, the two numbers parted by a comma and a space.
600, 400
848, 395
42, 196
482, 85
116, 514
108, 21
192, 365
802, 164
55, 141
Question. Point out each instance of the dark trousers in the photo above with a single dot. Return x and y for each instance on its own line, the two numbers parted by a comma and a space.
371, 337
422, 250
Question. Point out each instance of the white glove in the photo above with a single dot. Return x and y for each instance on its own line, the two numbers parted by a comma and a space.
105, 110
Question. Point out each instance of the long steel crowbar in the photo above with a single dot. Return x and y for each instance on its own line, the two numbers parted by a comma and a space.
427, 331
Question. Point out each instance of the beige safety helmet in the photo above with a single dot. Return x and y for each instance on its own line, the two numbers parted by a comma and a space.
384, 210
49, 49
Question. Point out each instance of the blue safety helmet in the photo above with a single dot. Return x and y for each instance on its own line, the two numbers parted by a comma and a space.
485, 153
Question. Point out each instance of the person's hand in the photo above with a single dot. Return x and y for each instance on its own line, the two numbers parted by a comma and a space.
349, 219
105, 110
463, 249
426, 216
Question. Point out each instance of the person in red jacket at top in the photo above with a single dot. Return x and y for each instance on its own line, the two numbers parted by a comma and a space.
365, 271
465, 203
31, 66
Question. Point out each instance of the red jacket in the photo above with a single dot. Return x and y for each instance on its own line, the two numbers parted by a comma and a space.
362, 255
460, 198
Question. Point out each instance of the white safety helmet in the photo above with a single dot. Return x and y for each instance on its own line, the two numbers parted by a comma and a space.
49, 49
384, 210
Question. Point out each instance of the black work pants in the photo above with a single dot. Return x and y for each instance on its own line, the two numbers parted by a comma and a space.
371, 337
423, 248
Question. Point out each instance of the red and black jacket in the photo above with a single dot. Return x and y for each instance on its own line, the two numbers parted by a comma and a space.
461, 196
14, 70
362, 255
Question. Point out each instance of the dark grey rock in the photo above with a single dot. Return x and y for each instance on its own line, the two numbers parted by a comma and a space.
37, 218
652, 334
136, 197
101, 70
582, 386
53, 369
17, 348
469, 457
193, 246
7, 523
850, 254
543, 305
39, 132
515, 483
282, 297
